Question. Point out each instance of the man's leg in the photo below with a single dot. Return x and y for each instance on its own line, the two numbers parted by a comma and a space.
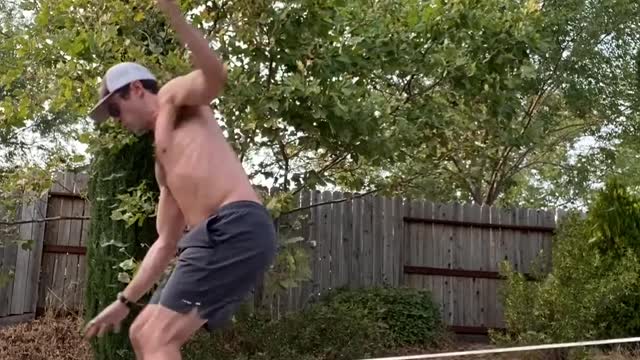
159, 333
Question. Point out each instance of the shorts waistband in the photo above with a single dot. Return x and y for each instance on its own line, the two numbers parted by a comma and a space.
239, 204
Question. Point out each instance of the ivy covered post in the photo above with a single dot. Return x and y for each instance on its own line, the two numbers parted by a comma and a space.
123, 192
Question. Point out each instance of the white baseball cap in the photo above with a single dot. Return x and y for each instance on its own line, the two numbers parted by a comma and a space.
116, 77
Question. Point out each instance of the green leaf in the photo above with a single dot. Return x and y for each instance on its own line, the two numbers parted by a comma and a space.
124, 277
128, 264
293, 240
139, 16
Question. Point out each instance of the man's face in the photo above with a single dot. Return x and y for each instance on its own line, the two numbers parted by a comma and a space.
131, 110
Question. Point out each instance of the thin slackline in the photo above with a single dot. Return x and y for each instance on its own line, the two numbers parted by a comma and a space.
511, 349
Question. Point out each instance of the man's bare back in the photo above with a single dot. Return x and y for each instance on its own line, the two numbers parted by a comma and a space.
200, 169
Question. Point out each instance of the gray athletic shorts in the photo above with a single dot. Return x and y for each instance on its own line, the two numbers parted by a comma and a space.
219, 263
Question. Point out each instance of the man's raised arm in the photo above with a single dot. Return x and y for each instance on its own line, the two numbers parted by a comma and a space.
206, 82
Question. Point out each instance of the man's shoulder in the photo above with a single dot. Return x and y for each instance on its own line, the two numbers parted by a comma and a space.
182, 80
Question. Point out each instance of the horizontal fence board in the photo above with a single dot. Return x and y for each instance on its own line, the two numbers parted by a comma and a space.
423, 270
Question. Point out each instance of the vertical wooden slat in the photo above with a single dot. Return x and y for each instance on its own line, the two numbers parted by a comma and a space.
82, 264
465, 243
377, 220
80, 186
324, 243
456, 242
405, 252
388, 240
19, 295
477, 256
40, 209
356, 269
523, 246
347, 240
335, 252
315, 235
492, 288
442, 239
9, 262
435, 255
398, 240
429, 252
421, 243
366, 241
306, 288
414, 281
507, 240
485, 265
72, 295
549, 221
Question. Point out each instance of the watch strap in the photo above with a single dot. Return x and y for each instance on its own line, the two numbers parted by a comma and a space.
123, 299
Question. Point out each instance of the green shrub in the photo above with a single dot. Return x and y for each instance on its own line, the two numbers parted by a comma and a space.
344, 325
411, 316
114, 170
593, 291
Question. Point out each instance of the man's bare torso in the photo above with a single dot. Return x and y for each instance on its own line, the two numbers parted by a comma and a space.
200, 169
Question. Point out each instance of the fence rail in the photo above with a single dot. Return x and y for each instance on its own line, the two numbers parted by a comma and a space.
356, 240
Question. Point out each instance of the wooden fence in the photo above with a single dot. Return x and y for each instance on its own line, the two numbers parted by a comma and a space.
454, 250
51, 272
18, 296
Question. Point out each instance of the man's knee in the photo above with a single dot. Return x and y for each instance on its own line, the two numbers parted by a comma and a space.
158, 327
136, 329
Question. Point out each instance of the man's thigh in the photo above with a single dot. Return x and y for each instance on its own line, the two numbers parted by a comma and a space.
163, 326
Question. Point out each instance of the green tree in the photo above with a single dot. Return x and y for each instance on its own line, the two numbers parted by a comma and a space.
491, 94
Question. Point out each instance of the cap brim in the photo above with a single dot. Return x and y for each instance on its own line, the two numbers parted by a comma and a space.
100, 113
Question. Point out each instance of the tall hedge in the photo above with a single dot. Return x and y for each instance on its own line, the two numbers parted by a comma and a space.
114, 171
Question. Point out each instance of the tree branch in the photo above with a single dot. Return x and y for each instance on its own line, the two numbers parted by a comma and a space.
332, 202
333, 163
528, 115
285, 159
475, 192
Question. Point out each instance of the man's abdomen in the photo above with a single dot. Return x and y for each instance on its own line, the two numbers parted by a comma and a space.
201, 195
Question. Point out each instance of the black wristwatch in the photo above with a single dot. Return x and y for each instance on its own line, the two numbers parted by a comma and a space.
124, 300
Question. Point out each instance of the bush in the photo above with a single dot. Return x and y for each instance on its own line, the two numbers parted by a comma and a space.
344, 325
411, 316
113, 171
593, 291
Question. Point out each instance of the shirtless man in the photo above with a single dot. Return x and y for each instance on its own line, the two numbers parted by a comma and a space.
202, 185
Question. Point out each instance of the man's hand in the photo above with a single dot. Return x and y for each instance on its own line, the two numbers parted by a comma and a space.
109, 319
168, 6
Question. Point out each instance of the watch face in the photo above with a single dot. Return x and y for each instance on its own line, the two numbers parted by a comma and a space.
122, 298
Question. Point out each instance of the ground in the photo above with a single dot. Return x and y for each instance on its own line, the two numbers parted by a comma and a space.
49, 337
59, 338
